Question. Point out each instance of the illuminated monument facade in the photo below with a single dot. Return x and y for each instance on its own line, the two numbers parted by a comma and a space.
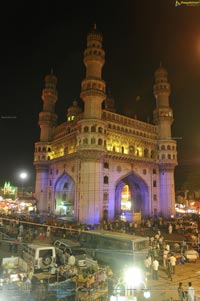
99, 164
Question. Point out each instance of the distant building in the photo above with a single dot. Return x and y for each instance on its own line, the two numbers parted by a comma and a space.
8, 191
99, 164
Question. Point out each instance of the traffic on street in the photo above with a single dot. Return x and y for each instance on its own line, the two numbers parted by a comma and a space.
57, 260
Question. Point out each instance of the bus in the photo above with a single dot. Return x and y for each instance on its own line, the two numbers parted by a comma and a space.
115, 249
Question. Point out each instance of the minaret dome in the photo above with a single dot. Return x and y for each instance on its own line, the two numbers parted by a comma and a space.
50, 81
161, 72
94, 34
73, 111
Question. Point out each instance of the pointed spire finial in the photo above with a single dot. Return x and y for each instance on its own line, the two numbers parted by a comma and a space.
74, 102
95, 26
51, 71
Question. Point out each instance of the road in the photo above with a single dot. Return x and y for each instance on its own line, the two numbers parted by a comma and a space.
162, 289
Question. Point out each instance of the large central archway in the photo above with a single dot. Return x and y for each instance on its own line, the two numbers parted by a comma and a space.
64, 195
137, 195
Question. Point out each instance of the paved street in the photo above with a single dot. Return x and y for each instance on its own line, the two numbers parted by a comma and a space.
163, 289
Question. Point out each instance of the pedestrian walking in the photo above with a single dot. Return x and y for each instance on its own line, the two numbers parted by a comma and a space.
48, 232
181, 293
150, 260
169, 269
155, 265
190, 292
170, 229
147, 264
172, 259
165, 256
183, 246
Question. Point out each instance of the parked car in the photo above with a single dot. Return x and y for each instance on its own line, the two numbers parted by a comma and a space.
69, 247
191, 255
40, 257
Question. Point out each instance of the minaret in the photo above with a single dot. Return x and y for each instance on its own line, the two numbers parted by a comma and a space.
93, 87
73, 111
47, 122
167, 154
48, 118
92, 132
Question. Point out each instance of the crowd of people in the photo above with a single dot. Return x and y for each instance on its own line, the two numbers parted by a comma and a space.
55, 226
152, 262
163, 250
25, 228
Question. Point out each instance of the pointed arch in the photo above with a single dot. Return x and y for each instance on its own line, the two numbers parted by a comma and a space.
64, 191
139, 194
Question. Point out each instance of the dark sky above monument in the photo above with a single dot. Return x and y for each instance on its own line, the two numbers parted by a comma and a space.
138, 35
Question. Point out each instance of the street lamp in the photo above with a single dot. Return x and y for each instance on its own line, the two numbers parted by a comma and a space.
133, 278
23, 177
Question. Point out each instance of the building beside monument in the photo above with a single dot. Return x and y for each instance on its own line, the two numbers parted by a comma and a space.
99, 164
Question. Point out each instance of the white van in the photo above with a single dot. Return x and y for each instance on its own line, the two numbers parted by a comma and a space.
40, 257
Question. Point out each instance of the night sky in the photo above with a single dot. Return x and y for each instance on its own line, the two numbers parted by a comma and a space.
138, 35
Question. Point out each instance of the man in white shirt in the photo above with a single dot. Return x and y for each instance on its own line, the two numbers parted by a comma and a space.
71, 260
155, 266
190, 292
172, 259
165, 256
